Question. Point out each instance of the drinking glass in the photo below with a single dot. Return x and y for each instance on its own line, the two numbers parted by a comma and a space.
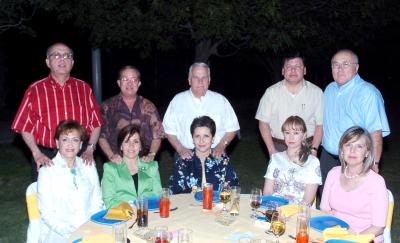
303, 224
278, 224
164, 203
161, 235
224, 195
255, 201
185, 235
120, 232
235, 200
142, 206
207, 196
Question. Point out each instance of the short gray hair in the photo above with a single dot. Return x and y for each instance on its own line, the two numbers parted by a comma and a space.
50, 48
357, 132
199, 64
352, 53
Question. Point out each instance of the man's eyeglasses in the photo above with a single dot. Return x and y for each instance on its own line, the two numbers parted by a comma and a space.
345, 65
59, 56
295, 68
126, 79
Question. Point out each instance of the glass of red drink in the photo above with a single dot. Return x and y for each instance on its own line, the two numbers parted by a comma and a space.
164, 203
207, 196
303, 224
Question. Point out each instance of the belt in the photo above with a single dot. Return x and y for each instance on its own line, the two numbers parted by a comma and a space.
282, 142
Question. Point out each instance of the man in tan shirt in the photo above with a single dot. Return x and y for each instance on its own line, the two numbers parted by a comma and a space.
292, 96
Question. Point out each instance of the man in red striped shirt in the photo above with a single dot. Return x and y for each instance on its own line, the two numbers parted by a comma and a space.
53, 99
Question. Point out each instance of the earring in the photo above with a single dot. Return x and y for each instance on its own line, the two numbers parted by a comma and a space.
58, 147
80, 147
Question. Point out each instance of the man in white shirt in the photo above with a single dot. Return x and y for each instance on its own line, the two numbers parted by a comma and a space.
292, 96
195, 102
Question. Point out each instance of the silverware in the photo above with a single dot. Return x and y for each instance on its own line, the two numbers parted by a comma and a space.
172, 209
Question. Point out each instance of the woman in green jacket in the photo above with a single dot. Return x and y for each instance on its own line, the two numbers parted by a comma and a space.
133, 177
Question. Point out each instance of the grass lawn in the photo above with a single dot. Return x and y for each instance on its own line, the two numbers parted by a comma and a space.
246, 154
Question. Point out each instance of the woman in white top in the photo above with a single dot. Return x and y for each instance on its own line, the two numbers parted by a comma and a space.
68, 191
295, 173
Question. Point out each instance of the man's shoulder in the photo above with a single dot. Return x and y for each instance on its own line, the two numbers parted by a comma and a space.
181, 95
40, 82
112, 99
313, 87
78, 81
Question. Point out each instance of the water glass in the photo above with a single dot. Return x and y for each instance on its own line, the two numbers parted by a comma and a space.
185, 235
235, 200
120, 232
142, 206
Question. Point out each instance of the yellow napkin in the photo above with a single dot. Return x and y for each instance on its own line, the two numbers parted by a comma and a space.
343, 234
289, 210
103, 238
122, 211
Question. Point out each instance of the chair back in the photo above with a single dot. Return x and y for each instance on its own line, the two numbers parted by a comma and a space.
33, 232
387, 238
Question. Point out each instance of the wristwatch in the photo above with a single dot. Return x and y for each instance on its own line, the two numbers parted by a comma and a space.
376, 162
226, 142
92, 145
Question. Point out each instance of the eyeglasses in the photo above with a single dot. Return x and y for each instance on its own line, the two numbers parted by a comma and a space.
129, 79
59, 56
345, 65
355, 147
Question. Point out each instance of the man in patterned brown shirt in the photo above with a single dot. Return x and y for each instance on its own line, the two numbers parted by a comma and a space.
130, 108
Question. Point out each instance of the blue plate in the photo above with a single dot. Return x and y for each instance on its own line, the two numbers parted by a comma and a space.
322, 222
199, 196
98, 218
271, 199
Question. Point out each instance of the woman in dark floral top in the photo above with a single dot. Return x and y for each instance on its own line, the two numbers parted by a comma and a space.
189, 175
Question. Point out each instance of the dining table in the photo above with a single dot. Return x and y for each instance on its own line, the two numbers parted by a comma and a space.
189, 214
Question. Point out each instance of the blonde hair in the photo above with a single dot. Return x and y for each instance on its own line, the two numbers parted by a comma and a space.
356, 133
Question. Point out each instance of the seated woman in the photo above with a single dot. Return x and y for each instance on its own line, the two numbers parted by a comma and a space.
133, 177
68, 191
190, 174
353, 192
293, 174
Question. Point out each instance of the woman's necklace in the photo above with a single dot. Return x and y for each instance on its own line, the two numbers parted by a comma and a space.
73, 172
349, 176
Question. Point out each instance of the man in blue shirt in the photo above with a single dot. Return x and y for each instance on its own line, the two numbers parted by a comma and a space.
350, 101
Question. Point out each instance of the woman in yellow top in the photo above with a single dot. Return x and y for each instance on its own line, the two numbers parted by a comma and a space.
132, 177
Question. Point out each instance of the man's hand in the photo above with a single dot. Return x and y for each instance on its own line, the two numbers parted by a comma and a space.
218, 151
314, 152
185, 153
375, 168
149, 157
87, 156
116, 158
42, 160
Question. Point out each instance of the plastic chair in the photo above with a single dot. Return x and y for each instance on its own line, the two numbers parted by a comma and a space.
386, 233
33, 232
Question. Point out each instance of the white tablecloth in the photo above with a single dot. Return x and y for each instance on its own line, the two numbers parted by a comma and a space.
190, 214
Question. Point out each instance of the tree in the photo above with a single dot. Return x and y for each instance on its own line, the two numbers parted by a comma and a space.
221, 27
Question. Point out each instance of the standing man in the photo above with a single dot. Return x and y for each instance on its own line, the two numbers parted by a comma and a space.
195, 102
350, 101
128, 107
290, 97
53, 99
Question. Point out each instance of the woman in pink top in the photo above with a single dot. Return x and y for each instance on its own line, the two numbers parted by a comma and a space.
353, 192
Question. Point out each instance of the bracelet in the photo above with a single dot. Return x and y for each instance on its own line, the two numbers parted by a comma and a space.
152, 154
376, 162
314, 148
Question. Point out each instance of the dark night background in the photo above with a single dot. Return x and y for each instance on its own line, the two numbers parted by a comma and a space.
241, 77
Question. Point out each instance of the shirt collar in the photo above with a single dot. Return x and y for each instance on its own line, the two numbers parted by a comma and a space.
195, 98
349, 84
54, 82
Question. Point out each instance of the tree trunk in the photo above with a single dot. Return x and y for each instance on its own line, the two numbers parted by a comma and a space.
203, 51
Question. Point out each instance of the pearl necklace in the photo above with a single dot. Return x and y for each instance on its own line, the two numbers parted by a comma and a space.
348, 176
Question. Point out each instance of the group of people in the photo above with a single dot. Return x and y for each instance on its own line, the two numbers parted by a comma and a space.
59, 112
